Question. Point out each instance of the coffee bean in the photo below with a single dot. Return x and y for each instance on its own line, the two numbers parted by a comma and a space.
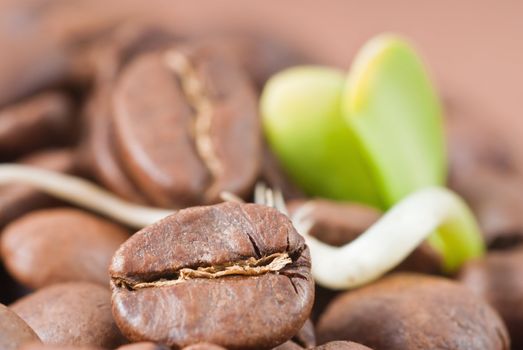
143, 346
499, 279
60, 245
306, 337
409, 311
75, 313
337, 223
13, 330
16, 200
342, 345
38, 121
186, 126
487, 173
108, 57
204, 273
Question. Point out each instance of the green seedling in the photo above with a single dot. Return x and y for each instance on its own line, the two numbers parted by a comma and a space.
372, 137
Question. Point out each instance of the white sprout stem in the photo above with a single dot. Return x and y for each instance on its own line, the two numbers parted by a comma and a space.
82, 193
385, 244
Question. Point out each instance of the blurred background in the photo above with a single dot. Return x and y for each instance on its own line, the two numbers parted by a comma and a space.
474, 48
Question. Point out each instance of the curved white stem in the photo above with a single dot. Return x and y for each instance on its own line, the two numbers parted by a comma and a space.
82, 193
382, 247
386, 243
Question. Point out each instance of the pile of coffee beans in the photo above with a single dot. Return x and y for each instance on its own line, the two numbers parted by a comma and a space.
170, 121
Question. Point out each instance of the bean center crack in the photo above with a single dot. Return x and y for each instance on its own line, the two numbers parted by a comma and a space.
249, 267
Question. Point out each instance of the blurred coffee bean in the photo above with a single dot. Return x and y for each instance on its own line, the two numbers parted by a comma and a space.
342, 345
60, 245
16, 200
338, 223
498, 278
14, 332
260, 56
143, 346
208, 270
107, 58
179, 118
38, 121
489, 176
409, 311
75, 313
306, 336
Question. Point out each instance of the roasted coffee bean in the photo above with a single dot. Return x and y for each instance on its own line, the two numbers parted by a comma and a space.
409, 311
261, 57
75, 313
488, 176
108, 57
306, 337
14, 331
143, 346
199, 274
38, 121
338, 223
342, 345
499, 279
186, 126
60, 245
16, 200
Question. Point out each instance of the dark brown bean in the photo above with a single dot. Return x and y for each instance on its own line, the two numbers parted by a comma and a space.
75, 313
180, 143
60, 245
200, 273
16, 200
14, 332
499, 279
487, 173
108, 57
39, 121
409, 311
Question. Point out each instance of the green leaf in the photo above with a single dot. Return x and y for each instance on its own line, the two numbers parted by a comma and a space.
305, 127
390, 105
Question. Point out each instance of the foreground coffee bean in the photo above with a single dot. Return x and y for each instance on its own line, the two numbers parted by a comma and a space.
179, 119
60, 245
499, 279
409, 311
200, 274
76, 313
16, 200
38, 121
14, 331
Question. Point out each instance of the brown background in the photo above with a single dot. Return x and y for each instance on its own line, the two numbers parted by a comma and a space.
474, 48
